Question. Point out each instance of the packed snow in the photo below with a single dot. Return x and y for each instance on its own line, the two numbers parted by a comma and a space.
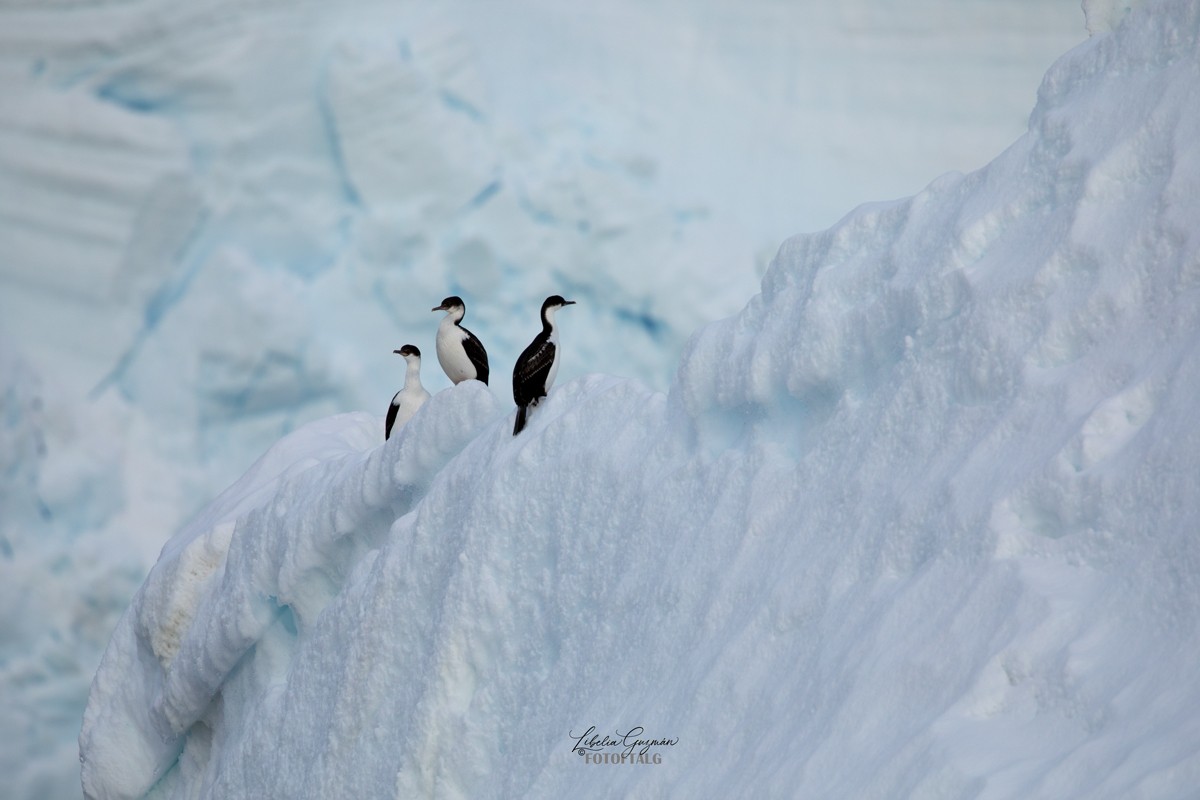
218, 219
918, 521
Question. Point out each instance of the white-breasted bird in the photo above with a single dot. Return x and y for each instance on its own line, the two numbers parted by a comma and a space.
534, 372
411, 397
459, 352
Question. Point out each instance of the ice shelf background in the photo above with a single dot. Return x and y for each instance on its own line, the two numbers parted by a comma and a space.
918, 521
219, 220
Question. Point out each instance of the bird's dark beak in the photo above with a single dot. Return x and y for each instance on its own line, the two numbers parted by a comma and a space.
397, 352
568, 302
438, 308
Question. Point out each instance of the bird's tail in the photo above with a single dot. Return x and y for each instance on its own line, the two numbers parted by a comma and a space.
520, 419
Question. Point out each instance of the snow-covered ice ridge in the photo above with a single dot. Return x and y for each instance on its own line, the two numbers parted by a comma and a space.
920, 521
218, 221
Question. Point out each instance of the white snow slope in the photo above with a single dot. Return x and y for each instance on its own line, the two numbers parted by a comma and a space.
219, 218
920, 521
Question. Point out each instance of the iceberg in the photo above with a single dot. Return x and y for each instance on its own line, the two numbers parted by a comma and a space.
919, 521
217, 219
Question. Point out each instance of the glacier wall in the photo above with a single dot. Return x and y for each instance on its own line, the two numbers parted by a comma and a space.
918, 521
218, 219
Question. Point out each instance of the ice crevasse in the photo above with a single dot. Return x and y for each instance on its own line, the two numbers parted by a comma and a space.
920, 521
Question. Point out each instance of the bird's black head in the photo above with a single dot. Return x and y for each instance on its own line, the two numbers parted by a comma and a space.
450, 303
556, 301
408, 350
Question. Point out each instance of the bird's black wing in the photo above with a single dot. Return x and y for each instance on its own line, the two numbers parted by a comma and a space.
477, 354
391, 420
531, 371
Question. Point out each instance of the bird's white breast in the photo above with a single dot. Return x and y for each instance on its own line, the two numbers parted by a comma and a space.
554, 360
407, 401
451, 353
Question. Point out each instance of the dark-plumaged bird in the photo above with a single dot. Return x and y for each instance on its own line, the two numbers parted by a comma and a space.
406, 401
534, 372
459, 352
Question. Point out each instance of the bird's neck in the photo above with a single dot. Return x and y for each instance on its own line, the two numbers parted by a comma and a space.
548, 321
412, 374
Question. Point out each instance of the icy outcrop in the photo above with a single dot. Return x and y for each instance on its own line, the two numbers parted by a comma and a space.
919, 521
217, 222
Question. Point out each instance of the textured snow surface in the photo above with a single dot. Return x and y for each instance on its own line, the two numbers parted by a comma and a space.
218, 219
919, 521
